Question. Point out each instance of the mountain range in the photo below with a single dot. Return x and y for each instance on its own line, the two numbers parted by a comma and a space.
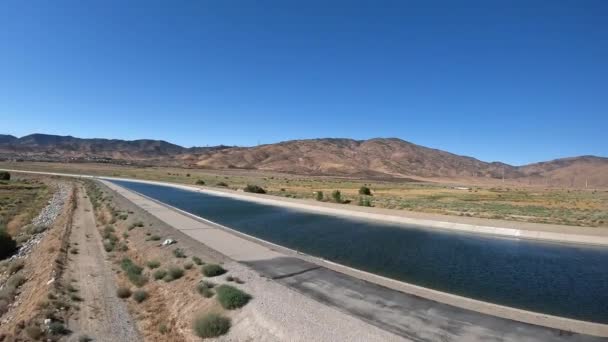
376, 158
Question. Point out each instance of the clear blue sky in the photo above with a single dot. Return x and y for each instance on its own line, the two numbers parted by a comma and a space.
516, 81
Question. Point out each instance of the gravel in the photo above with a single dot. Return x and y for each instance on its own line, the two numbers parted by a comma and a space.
44, 220
278, 313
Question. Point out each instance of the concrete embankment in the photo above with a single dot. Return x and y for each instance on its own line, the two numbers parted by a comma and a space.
404, 309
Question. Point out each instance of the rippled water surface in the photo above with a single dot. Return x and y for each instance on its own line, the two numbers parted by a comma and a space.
557, 279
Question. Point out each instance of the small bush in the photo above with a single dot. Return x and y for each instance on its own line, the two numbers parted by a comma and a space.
173, 273
15, 266
134, 272
15, 281
152, 264
179, 253
197, 260
365, 202
365, 191
5, 176
154, 237
231, 298
204, 288
140, 295
76, 297
108, 246
57, 328
85, 338
207, 293
200, 182
213, 270
160, 274
188, 265
337, 196
123, 292
254, 189
211, 325
163, 329
319, 195
222, 184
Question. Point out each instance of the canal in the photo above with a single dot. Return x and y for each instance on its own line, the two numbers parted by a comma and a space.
557, 279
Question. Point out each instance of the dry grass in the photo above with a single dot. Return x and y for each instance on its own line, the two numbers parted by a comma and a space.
499, 201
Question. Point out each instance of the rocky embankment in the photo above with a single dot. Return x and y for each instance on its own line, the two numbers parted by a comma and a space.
44, 220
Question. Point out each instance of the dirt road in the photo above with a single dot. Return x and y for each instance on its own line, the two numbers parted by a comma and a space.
103, 316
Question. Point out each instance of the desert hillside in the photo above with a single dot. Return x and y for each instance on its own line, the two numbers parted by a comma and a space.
379, 157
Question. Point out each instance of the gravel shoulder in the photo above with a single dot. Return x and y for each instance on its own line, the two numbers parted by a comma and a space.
102, 315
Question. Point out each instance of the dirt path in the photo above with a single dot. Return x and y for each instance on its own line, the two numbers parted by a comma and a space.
102, 315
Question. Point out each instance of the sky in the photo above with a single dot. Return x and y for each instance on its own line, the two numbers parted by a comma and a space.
514, 81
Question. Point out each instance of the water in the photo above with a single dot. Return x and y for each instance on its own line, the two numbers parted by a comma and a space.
557, 279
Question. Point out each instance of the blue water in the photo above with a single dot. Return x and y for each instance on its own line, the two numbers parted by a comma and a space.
557, 279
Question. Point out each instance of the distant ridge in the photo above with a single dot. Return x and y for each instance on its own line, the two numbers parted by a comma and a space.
378, 158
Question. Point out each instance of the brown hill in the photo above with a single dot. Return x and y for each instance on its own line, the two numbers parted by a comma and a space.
374, 157
380, 157
580, 172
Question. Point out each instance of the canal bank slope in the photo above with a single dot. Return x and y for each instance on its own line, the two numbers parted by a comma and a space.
418, 314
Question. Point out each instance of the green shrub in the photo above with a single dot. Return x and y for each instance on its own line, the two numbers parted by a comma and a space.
173, 273
197, 260
231, 298
319, 195
160, 274
179, 253
337, 196
152, 264
213, 270
108, 246
222, 184
123, 292
211, 325
57, 328
365, 202
134, 272
154, 237
254, 189
200, 182
5, 176
188, 265
365, 191
140, 295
